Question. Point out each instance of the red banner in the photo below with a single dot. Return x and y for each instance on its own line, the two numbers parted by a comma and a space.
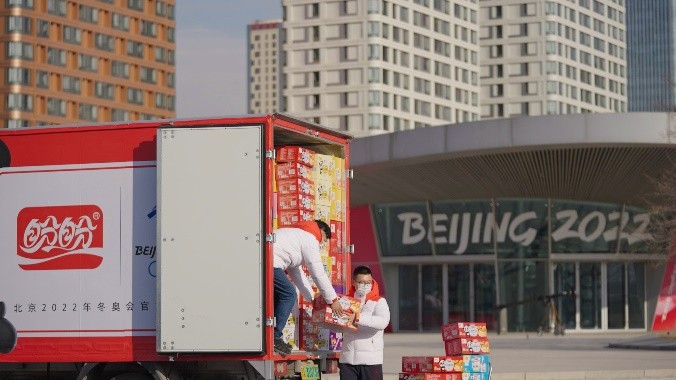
665, 311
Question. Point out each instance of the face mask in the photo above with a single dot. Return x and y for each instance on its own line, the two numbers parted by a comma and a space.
364, 288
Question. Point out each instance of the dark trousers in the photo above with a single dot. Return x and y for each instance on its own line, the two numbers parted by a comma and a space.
360, 372
285, 300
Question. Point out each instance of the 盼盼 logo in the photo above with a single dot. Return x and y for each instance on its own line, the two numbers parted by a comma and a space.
60, 237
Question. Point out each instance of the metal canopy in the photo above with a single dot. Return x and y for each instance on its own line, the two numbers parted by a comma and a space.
598, 157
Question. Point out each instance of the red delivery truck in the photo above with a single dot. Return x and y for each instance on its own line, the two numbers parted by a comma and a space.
144, 249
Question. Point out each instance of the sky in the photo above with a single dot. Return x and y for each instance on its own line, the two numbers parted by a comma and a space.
211, 50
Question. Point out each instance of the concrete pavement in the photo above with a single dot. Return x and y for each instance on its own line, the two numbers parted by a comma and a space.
532, 357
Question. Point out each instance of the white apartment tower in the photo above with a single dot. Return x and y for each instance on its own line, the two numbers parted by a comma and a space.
552, 57
264, 68
373, 66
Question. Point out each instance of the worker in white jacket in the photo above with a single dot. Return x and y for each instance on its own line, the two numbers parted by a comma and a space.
362, 355
293, 247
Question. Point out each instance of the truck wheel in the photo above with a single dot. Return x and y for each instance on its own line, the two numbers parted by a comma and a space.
132, 376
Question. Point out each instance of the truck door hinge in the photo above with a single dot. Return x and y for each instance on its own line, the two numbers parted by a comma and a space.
270, 154
270, 321
350, 173
350, 249
270, 238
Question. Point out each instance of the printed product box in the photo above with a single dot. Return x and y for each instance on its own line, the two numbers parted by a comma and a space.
323, 167
322, 192
464, 330
327, 261
323, 315
337, 204
296, 186
295, 154
431, 376
338, 171
288, 170
323, 213
291, 331
292, 217
467, 346
337, 270
476, 363
324, 247
476, 376
340, 289
310, 342
330, 340
431, 364
296, 202
336, 234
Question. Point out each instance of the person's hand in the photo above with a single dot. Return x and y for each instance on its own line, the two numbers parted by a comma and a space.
337, 309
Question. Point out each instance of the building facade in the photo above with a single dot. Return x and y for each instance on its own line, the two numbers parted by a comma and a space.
264, 69
483, 221
66, 62
377, 66
651, 37
552, 57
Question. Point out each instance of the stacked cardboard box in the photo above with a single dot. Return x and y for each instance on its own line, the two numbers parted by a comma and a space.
467, 349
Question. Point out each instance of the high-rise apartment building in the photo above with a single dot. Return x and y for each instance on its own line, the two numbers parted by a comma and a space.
376, 66
651, 41
83, 61
552, 57
264, 69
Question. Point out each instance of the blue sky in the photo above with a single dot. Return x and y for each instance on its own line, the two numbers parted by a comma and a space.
211, 54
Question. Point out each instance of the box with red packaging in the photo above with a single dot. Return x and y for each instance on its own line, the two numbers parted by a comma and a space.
295, 154
324, 317
296, 186
288, 170
337, 269
431, 364
292, 217
464, 330
467, 346
296, 202
445, 376
336, 241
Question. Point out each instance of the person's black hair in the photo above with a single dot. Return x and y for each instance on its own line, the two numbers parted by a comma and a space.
5, 158
324, 227
361, 270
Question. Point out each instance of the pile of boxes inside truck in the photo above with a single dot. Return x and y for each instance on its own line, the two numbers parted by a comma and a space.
311, 186
466, 357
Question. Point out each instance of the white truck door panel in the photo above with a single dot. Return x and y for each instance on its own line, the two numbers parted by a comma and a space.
210, 239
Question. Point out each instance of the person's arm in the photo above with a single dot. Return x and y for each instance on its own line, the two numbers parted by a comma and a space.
301, 282
379, 319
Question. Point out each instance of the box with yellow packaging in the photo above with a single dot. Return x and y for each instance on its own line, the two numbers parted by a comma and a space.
323, 213
337, 206
338, 172
327, 261
291, 331
323, 168
322, 192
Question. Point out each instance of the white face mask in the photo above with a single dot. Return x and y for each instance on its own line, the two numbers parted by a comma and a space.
364, 288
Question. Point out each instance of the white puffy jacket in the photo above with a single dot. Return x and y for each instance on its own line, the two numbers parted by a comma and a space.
365, 346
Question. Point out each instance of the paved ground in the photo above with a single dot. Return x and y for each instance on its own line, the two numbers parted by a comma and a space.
573, 356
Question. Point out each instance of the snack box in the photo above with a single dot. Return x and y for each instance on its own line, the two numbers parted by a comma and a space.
445, 376
467, 346
323, 167
330, 340
322, 192
296, 186
295, 154
292, 217
336, 241
338, 170
464, 330
461, 363
324, 317
323, 213
295, 202
288, 170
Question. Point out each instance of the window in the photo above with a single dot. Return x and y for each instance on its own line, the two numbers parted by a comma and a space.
72, 35
70, 84
119, 69
148, 28
171, 34
18, 24
27, 4
420, 19
87, 63
374, 98
422, 108
56, 7
104, 42
442, 91
119, 21
160, 54
171, 102
135, 95
171, 57
160, 100
170, 11
56, 107
148, 75
160, 8
119, 115
171, 80
56, 57
42, 79
17, 123
104, 90
88, 14
135, 4
312, 10
21, 102
495, 12
134, 49
88, 112
17, 75
43, 28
